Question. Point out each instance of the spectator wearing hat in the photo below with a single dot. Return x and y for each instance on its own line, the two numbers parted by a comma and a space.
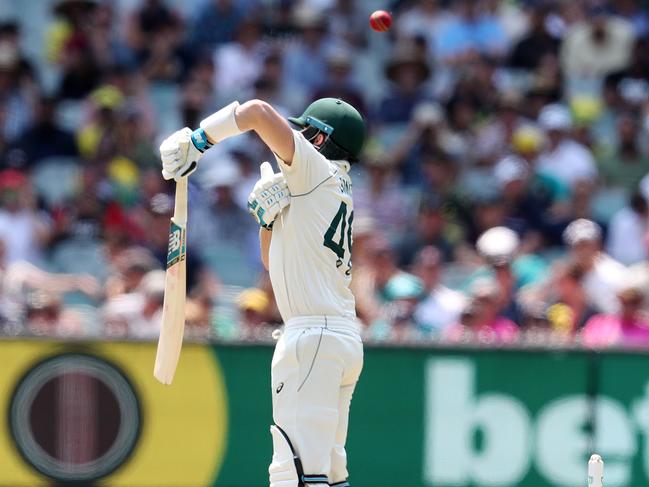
254, 305
525, 210
564, 158
219, 216
568, 308
217, 219
440, 307
129, 268
527, 143
98, 136
602, 275
628, 327
481, 208
402, 294
494, 137
499, 248
408, 72
399, 297
481, 320
381, 282
535, 205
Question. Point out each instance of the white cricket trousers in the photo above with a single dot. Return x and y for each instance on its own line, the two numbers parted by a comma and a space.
316, 365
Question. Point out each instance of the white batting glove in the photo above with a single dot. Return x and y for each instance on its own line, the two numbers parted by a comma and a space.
179, 155
269, 196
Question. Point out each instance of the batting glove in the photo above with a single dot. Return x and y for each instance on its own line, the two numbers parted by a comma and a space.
181, 151
269, 196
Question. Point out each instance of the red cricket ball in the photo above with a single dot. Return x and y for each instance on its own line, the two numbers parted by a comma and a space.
380, 21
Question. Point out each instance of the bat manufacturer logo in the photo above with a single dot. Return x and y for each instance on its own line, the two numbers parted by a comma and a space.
177, 246
279, 387
174, 241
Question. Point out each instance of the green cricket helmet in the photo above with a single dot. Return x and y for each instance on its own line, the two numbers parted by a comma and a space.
337, 119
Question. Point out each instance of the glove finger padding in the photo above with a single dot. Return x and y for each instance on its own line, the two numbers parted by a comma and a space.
269, 196
171, 145
266, 170
167, 175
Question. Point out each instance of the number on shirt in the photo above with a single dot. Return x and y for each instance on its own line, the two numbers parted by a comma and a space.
338, 248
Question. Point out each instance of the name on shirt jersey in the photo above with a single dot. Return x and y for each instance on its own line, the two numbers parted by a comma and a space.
345, 185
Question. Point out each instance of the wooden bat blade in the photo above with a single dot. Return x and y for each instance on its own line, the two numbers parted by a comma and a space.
173, 309
173, 324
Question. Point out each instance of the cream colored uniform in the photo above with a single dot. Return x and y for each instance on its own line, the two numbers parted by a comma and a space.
319, 357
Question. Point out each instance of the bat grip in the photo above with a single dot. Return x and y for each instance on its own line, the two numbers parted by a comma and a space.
180, 203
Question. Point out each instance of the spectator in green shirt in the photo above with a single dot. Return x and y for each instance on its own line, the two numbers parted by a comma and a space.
625, 165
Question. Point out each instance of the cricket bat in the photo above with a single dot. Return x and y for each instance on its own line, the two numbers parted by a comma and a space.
173, 311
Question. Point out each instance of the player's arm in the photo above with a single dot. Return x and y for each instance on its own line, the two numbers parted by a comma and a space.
264, 243
271, 127
182, 150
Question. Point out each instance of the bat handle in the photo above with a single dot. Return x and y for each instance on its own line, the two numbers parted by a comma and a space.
180, 204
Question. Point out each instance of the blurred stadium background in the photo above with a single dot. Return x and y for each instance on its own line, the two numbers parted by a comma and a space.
501, 238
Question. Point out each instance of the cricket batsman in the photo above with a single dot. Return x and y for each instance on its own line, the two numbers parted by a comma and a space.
305, 213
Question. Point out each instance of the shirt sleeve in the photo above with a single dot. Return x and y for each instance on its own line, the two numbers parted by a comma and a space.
308, 169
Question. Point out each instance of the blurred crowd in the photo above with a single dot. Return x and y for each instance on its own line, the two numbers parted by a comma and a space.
502, 195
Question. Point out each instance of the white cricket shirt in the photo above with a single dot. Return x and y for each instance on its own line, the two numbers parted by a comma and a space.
310, 250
